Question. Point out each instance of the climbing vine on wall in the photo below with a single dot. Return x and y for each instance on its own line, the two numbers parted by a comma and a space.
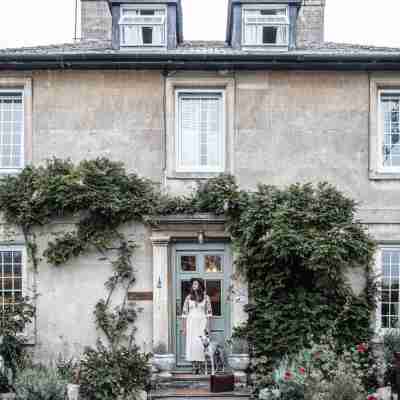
294, 246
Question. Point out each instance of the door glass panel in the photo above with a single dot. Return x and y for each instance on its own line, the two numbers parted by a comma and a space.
188, 263
213, 264
213, 289
185, 290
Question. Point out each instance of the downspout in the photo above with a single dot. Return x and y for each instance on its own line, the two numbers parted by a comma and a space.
164, 75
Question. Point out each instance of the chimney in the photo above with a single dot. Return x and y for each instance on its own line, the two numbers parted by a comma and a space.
310, 23
95, 20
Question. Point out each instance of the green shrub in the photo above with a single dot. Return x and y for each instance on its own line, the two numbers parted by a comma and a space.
13, 322
391, 344
106, 374
40, 383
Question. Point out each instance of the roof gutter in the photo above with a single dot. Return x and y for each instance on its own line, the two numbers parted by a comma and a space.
200, 61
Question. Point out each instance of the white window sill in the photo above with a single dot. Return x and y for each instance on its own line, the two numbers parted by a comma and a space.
194, 174
148, 48
384, 175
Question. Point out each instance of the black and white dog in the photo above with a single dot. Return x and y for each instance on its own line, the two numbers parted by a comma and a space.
213, 352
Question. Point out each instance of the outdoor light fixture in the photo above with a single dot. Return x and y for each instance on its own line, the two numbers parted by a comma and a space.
159, 284
200, 237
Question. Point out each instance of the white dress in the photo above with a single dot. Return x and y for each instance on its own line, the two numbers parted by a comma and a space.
196, 315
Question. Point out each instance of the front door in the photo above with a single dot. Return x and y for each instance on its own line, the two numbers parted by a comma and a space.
211, 263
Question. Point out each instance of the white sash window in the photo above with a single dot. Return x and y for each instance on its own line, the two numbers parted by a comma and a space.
143, 26
11, 130
201, 131
12, 276
390, 129
388, 271
266, 26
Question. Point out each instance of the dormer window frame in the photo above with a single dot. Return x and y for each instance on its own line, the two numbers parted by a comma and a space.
143, 25
265, 24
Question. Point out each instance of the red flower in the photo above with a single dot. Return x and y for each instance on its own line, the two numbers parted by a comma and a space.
288, 375
361, 348
302, 370
372, 397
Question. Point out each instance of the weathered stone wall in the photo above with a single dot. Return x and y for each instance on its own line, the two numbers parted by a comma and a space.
89, 114
95, 20
310, 23
288, 127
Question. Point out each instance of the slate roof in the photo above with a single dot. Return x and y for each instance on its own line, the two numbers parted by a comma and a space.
200, 55
199, 47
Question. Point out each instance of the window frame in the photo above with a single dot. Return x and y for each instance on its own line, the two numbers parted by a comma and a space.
222, 139
143, 7
24, 272
381, 131
379, 329
7, 170
261, 7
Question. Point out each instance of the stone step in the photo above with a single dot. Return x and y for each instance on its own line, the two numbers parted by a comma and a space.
198, 394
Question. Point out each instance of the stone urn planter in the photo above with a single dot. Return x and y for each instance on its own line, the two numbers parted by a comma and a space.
72, 391
7, 396
239, 364
163, 361
165, 364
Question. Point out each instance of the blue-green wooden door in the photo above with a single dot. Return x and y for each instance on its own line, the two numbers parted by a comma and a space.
212, 263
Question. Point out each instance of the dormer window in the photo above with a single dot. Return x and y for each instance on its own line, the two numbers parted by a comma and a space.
143, 26
265, 26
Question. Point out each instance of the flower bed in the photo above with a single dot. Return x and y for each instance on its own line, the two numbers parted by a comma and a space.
323, 373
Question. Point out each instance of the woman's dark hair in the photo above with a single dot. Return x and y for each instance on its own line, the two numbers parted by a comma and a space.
197, 295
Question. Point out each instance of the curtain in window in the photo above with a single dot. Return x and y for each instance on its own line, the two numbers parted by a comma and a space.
281, 35
200, 132
131, 35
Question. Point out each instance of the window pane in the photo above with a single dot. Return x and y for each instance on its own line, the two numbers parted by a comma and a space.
11, 130
188, 263
147, 35
147, 12
390, 106
185, 291
10, 277
390, 286
269, 34
213, 264
213, 289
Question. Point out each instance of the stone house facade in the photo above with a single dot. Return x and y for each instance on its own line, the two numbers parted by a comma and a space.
274, 103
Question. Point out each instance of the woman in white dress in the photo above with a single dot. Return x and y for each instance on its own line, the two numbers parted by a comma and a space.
196, 316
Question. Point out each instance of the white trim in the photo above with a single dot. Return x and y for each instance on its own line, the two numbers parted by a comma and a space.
221, 139
254, 7
144, 7
379, 330
381, 133
23, 138
24, 273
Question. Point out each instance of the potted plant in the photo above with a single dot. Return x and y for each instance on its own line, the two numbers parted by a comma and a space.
163, 360
238, 357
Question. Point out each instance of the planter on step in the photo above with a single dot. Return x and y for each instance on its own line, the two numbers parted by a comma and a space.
239, 364
165, 364
72, 391
7, 396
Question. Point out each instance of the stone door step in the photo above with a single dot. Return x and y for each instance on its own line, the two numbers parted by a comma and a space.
198, 394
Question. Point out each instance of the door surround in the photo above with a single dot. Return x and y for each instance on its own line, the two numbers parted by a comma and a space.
181, 229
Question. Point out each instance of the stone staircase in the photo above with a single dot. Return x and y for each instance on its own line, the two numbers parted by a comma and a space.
187, 386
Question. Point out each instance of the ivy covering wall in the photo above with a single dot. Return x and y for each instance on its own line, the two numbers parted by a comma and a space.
294, 245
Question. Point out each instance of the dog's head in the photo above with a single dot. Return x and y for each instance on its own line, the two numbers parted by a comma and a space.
205, 339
